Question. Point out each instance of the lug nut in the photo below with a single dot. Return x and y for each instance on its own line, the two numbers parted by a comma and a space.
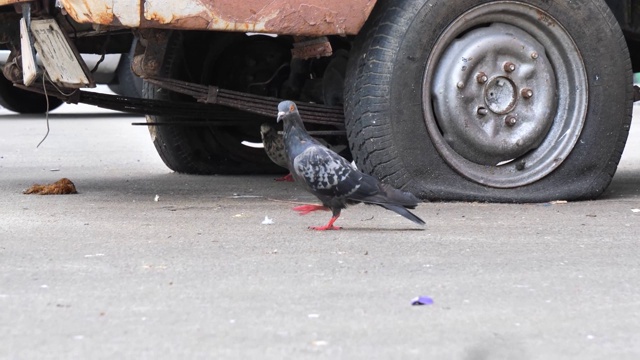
534, 55
460, 85
526, 93
482, 78
511, 120
509, 66
482, 111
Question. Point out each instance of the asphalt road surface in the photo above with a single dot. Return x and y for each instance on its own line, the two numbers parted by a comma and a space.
111, 273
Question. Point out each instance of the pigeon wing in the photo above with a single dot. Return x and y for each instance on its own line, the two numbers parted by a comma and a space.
274, 145
326, 173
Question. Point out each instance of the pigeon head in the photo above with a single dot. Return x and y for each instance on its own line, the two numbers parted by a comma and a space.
286, 109
266, 129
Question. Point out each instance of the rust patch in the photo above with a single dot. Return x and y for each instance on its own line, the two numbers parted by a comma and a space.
104, 12
292, 17
313, 18
544, 18
305, 48
198, 21
9, 2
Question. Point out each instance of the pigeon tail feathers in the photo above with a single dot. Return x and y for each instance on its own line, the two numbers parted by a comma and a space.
406, 199
374, 192
400, 210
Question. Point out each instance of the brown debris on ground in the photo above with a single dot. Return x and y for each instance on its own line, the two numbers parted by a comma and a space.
60, 187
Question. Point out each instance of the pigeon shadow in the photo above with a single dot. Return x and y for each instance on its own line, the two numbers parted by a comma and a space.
372, 229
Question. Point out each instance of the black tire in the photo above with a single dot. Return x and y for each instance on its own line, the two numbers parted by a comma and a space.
24, 102
127, 83
392, 110
202, 150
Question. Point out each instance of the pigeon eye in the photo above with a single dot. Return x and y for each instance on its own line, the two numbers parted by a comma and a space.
292, 108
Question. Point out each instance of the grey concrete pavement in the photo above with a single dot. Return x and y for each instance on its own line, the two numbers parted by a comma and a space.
111, 273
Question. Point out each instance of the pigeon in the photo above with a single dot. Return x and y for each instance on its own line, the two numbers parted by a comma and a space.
331, 178
274, 147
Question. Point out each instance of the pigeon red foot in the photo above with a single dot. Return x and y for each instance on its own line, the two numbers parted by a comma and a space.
287, 178
305, 209
329, 226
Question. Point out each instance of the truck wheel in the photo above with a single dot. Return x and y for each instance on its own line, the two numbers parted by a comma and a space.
481, 100
127, 83
208, 149
24, 102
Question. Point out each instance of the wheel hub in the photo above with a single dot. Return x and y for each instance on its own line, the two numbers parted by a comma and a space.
494, 94
500, 95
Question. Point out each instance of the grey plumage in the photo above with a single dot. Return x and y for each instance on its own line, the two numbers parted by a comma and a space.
331, 178
274, 145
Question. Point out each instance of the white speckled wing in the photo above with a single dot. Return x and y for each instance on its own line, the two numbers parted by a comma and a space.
326, 172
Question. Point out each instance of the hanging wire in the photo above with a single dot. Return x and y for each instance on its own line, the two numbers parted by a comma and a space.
46, 113
45, 76
57, 88
104, 52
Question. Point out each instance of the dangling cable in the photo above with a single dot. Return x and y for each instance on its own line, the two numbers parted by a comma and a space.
57, 88
47, 112
46, 77
104, 52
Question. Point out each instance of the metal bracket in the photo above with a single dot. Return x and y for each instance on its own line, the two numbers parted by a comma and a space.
29, 67
308, 48
150, 52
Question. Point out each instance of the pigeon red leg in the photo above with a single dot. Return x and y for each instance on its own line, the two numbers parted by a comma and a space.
305, 209
287, 178
329, 226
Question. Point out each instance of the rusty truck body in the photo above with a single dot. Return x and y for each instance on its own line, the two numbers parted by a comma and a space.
473, 100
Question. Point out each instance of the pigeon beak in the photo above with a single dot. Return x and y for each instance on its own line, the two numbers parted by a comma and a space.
280, 115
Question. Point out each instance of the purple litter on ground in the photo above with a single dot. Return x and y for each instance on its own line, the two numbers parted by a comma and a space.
422, 300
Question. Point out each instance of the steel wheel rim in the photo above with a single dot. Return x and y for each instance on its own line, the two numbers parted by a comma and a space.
546, 148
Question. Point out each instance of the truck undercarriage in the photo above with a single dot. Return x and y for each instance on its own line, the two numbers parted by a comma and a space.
460, 100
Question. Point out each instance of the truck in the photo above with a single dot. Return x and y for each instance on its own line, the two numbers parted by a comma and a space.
456, 100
